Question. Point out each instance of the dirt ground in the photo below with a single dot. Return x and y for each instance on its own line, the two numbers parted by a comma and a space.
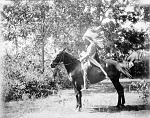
62, 105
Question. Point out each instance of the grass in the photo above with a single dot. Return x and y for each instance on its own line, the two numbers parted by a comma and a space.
94, 102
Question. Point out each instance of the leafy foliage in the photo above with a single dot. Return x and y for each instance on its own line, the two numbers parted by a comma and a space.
140, 69
22, 73
52, 25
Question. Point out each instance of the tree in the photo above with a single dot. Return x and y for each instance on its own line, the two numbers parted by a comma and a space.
122, 36
66, 21
22, 20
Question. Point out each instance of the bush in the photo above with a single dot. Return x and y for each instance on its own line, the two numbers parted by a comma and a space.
142, 88
61, 77
30, 89
140, 69
23, 77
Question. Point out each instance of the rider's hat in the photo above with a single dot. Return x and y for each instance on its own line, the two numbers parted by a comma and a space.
93, 37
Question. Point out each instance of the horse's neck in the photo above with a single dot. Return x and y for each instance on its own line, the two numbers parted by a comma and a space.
71, 67
70, 64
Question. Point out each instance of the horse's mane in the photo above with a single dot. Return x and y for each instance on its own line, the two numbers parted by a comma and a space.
70, 57
70, 61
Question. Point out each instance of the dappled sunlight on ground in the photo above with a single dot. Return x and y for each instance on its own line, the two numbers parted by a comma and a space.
62, 105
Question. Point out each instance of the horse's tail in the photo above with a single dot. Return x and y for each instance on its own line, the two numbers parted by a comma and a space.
125, 71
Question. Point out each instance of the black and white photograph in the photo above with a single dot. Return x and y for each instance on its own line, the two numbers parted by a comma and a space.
74, 59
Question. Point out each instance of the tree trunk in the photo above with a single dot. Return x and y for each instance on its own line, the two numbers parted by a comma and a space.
43, 37
43, 55
16, 44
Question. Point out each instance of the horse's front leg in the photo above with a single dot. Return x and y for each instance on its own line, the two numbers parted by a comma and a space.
78, 97
79, 93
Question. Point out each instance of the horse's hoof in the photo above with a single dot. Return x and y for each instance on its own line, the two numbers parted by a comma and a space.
76, 107
123, 106
78, 110
119, 107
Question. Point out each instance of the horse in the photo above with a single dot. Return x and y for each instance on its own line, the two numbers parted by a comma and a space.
94, 75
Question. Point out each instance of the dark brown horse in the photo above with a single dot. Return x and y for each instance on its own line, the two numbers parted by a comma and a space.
73, 67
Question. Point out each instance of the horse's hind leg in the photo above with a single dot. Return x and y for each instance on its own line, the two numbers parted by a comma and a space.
123, 100
120, 91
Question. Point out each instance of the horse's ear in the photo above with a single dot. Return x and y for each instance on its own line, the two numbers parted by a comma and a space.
63, 49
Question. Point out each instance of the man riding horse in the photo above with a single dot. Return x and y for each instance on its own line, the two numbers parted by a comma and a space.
91, 50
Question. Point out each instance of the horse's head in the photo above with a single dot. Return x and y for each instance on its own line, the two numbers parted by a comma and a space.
59, 58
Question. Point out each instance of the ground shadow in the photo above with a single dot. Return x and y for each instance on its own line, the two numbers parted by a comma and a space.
113, 109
